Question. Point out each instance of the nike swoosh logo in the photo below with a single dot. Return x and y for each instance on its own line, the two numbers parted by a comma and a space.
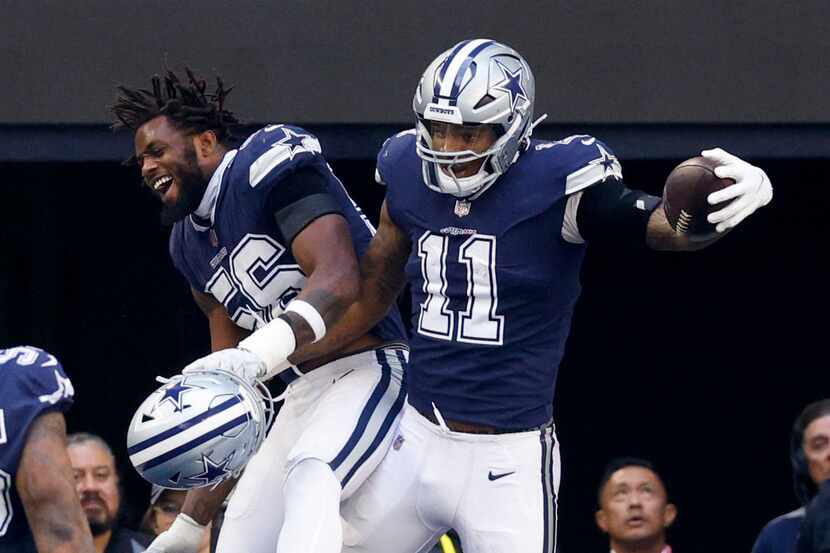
491, 476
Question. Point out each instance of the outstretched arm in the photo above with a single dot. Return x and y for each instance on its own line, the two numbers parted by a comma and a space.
47, 489
610, 212
382, 279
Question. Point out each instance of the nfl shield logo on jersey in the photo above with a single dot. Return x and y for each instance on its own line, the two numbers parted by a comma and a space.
462, 208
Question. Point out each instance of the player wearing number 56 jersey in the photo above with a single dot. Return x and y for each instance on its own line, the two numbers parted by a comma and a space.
39, 508
268, 240
490, 228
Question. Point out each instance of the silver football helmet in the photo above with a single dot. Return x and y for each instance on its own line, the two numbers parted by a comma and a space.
476, 82
198, 429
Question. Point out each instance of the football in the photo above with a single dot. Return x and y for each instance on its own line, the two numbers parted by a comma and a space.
685, 193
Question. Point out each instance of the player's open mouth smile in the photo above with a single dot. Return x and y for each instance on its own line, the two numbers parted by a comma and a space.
162, 184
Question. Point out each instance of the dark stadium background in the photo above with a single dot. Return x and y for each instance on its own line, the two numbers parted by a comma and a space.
699, 361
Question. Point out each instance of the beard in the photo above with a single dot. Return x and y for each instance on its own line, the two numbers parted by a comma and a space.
101, 526
101, 519
192, 186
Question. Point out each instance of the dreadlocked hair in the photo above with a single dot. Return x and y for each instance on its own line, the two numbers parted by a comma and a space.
188, 106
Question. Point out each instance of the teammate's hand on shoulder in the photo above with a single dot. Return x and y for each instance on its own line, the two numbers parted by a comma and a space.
184, 536
752, 189
243, 363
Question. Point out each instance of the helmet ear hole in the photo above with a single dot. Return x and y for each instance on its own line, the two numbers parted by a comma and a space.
486, 99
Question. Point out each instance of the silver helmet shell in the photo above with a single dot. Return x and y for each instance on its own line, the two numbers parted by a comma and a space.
478, 81
198, 429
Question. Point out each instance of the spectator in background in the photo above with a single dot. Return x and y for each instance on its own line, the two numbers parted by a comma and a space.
165, 506
810, 460
97, 484
634, 509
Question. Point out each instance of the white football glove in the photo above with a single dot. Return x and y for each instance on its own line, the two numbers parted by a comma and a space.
244, 364
752, 189
184, 536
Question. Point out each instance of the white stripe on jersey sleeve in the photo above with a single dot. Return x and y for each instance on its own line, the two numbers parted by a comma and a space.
591, 174
570, 230
378, 178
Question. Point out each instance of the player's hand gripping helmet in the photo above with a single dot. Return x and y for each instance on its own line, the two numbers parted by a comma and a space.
198, 429
476, 82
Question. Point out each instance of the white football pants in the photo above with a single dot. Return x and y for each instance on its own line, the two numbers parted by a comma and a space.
497, 491
345, 414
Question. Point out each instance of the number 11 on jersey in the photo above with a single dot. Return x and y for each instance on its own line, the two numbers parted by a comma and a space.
478, 323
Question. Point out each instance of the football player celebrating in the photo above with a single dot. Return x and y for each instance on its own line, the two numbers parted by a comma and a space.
490, 228
39, 509
268, 239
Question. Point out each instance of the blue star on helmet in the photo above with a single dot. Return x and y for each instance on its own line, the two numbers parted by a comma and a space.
175, 392
211, 470
609, 163
294, 142
512, 84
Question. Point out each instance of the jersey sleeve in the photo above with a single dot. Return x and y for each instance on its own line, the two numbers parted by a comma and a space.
391, 151
302, 198
274, 152
599, 207
586, 161
32, 382
283, 167
388, 164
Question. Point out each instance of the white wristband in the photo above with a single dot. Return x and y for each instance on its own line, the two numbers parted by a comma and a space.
186, 532
311, 316
273, 343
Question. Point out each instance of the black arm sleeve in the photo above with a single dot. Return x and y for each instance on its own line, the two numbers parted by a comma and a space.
300, 198
611, 213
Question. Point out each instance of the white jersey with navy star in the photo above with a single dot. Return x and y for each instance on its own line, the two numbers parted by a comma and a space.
32, 382
494, 280
232, 247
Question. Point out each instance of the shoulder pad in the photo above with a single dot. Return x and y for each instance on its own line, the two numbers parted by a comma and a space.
391, 151
272, 151
584, 161
38, 371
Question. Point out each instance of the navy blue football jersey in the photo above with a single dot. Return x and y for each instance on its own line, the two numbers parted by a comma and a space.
32, 382
493, 281
232, 246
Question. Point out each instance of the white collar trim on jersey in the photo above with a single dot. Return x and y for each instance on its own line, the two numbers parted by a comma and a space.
207, 206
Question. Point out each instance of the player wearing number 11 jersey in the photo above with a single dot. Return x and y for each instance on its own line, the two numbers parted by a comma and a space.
268, 238
490, 228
